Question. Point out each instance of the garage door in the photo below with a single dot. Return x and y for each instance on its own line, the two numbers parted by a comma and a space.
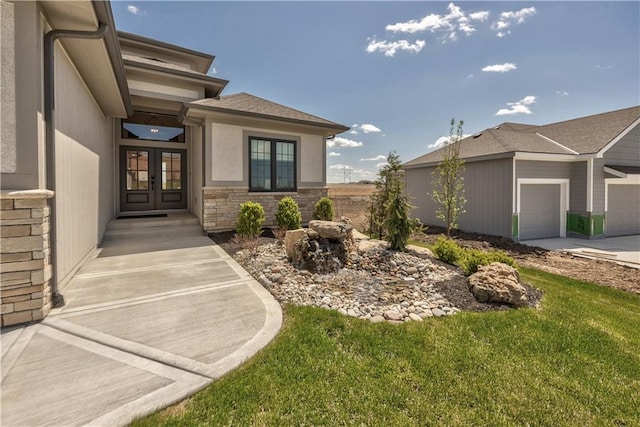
623, 210
539, 211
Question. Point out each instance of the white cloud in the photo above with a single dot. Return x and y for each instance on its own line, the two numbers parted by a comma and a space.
369, 128
605, 67
333, 154
341, 167
381, 165
500, 68
562, 92
353, 132
455, 20
519, 107
135, 10
440, 142
212, 71
510, 18
339, 141
470, 76
374, 159
479, 16
390, 48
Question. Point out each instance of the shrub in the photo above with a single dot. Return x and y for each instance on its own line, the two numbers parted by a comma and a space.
474, 258
250, 219
447, 250
323, 210
288, 216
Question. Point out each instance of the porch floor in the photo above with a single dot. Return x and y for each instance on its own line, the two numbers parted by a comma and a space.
155, 314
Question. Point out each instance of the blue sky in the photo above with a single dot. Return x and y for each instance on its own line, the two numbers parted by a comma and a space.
401, 70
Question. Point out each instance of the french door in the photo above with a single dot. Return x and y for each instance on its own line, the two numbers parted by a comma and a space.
152, 179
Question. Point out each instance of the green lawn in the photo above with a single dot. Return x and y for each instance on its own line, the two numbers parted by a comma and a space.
573, 361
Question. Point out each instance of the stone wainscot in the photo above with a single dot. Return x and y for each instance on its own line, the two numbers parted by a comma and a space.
25, 269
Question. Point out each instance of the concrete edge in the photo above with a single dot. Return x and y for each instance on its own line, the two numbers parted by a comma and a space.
12, 350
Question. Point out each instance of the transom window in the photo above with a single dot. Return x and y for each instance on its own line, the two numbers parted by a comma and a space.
272, 164
153, 127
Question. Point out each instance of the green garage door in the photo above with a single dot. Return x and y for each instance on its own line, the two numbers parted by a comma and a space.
623, 210
539, 211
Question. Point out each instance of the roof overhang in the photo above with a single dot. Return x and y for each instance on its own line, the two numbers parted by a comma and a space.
213, 86
202, 61
623, 172
99, 62
224, 115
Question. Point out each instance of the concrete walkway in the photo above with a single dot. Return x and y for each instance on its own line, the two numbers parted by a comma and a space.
623, 250
156, 314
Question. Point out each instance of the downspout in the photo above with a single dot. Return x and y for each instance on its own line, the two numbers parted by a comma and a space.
57, 300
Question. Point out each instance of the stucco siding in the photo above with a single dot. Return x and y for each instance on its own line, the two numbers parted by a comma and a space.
228, 151
22, 133
196, 171
84, 168
626, 151
578, 187
488, 189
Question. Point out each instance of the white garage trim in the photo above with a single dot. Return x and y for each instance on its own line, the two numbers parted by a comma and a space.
564, 199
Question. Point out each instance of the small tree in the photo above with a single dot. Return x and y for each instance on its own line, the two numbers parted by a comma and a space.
387, 177
448, 181
398, 224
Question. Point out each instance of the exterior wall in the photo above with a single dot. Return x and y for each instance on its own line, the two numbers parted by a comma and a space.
196, 171
488, 190
21, 122
84, 168
578, 187
625, 152
25, 290
542, 169
228, 155
221, 205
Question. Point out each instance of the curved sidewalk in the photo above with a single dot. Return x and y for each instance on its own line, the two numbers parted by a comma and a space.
153, 316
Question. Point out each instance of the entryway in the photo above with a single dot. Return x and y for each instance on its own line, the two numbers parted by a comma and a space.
152, 179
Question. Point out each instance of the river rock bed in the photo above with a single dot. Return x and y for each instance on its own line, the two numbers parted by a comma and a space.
377, 285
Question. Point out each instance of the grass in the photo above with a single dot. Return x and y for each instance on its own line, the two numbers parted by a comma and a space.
573, 361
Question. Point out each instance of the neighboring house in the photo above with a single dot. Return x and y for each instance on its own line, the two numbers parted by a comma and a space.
578, 177
105, 124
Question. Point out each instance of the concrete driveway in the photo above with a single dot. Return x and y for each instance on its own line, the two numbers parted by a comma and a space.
156, 314
623, 250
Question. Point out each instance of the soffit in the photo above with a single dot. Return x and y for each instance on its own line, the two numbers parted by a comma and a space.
90, 57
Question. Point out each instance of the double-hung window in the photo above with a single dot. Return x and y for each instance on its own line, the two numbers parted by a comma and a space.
272, 164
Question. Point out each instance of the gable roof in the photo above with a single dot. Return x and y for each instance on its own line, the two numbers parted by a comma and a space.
250, 105
584, 135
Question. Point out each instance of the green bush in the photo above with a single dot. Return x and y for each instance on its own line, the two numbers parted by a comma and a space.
250, 219
288, 216
474, 258
447, 250
323, 210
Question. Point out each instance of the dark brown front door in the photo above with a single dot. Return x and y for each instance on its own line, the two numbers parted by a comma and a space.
152, 179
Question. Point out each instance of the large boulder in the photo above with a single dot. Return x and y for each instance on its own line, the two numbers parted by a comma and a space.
500, 283
291, 237
331, 230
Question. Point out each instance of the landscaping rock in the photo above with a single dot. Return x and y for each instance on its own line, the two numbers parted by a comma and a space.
331, 229
498, 283
290, 239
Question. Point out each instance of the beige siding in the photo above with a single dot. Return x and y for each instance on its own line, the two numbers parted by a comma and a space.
84, 168
488, 189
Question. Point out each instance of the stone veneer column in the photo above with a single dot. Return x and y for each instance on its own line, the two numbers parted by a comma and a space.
25, 269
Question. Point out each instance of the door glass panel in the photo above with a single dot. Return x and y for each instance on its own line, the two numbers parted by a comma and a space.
171, 171
137, 170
